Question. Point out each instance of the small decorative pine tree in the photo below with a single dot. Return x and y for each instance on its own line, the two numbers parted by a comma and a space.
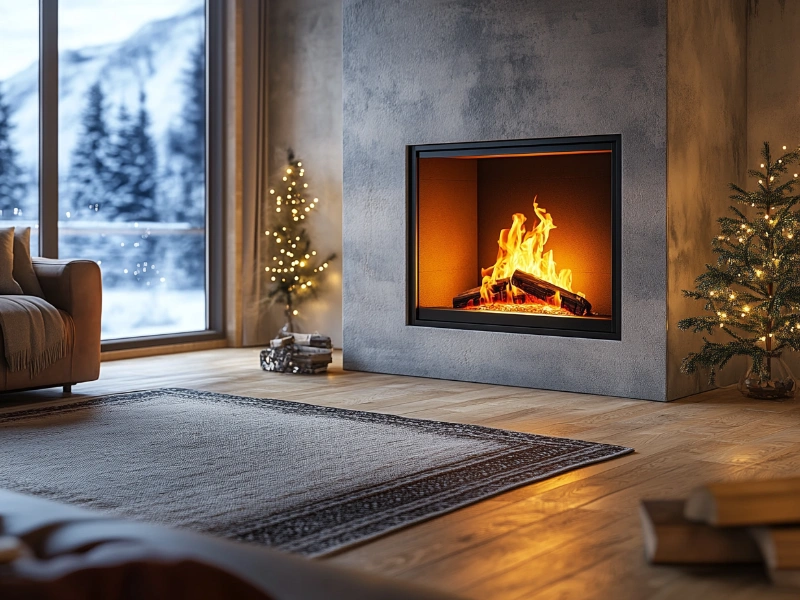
753, 290
294, 269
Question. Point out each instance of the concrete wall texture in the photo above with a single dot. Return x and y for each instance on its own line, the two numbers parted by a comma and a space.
707, 132
426, 71
305, 113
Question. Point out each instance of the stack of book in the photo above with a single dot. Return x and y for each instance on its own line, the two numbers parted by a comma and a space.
736, 522
298, 353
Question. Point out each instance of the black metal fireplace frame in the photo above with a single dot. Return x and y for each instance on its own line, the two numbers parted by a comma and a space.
581, 327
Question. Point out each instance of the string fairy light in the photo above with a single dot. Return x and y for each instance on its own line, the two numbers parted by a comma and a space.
295, 269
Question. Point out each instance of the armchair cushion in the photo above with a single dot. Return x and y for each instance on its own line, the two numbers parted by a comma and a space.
8, 285
23, 267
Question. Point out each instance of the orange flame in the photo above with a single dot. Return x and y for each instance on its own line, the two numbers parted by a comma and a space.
524, 250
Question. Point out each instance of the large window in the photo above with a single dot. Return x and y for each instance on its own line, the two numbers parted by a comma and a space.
127, 135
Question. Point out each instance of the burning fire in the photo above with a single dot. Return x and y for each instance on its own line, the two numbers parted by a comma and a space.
522, 250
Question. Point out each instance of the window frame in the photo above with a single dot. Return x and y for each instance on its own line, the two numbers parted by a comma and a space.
215, 160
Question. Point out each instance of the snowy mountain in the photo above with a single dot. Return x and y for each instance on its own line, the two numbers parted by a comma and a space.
153, 60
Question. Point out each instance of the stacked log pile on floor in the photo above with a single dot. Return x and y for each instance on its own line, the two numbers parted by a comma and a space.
298, 353
531, 286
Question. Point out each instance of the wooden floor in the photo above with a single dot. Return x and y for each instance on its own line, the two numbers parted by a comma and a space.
572, 536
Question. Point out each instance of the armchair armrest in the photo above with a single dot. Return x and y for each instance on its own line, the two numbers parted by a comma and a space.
75, 286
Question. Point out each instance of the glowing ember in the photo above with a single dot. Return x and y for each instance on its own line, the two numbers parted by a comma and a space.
534, 309
523, 250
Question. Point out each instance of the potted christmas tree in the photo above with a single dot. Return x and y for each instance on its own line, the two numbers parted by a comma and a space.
295, 272
294, 269
752, 293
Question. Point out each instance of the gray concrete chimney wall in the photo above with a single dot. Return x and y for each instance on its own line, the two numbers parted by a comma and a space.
428, 71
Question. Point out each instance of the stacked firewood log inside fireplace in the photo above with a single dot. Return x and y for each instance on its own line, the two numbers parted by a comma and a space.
528, 286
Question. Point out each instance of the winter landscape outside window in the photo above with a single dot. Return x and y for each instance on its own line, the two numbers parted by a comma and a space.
19, 117
131, 151
132, 158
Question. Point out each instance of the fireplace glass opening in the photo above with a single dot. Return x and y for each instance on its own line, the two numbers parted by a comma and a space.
518, 236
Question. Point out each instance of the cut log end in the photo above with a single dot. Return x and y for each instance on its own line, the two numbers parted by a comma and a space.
472, 297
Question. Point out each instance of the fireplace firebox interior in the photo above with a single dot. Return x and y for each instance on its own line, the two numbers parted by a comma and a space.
519, 236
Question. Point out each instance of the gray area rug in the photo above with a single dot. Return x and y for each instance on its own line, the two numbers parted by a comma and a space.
299, 477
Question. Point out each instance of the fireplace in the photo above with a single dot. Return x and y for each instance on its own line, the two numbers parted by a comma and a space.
518, 236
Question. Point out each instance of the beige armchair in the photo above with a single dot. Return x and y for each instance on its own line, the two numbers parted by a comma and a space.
75, 288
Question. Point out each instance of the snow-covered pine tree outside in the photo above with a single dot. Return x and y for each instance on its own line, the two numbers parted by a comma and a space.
131, 164
87, 180
13, 187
